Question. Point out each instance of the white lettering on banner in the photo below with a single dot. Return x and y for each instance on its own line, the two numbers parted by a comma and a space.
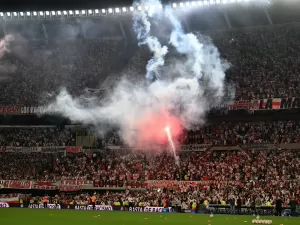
4, 205
97, 207
41, 206
15, 184
148, 209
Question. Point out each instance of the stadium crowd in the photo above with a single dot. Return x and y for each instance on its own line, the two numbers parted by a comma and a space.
264, 63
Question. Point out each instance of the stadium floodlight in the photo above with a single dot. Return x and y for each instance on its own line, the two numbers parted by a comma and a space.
200, 3
193, 3
212, 2
47, 13
41, 13
70, 12
82, 11
205, 2
15, 14
187, 4
174, 5
103, 11
59, 13
1, 14
131, 8
146, 7
90, 11
181, 4
218, 1
124, 9
110, 10
53, 13
76, 12
34, 13
28, 13
117, 10
21, 14
65, 12
224, 1
96, 11
232, 1
139, 8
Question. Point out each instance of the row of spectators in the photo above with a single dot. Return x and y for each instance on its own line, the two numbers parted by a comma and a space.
166, 198
226, 133
252, 167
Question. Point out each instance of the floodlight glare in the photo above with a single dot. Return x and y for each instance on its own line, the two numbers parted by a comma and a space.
187, 4
212, 2
218, 1
90, 11
1, 14
34, 13
47, 13
139, 8
181, 4
160, 6
131, 8
232, 1
193, 3
225, 1
124, 9
96, 11
103, 11
21, 14
41, 13
76, 12
82, 11
8, 14
200, 3
205, 2
174, 5
65, 12
28, 13
15, 14
110, 10
59, 13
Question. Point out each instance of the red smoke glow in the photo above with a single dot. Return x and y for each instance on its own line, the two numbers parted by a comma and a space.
151, 129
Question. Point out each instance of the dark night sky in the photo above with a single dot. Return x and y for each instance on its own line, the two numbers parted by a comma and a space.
11, 5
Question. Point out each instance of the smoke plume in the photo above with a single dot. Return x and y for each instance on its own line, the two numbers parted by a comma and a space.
182, 93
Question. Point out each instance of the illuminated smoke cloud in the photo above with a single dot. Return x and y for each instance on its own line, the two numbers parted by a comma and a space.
181, 95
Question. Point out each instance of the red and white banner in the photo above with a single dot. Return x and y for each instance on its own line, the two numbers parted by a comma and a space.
10, 198
175, 183
275, 104
45, 185
10, 110
237, 106
73, 149
15, 184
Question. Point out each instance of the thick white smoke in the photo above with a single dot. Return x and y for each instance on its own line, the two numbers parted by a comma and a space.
5, 44
186, 88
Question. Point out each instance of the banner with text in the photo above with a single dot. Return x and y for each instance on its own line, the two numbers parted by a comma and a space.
45, 185
15, 184
275, 103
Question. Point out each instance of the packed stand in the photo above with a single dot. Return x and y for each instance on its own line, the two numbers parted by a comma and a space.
36, 137
71, 64
229, 133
